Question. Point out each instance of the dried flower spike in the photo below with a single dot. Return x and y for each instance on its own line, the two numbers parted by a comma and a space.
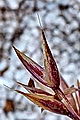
62, 102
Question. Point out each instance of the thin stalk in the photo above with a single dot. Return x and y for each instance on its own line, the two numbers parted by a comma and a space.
66, 102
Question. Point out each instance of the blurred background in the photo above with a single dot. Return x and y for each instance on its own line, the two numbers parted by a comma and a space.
19, 26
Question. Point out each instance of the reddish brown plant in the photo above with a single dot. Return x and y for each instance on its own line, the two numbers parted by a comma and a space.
61, 99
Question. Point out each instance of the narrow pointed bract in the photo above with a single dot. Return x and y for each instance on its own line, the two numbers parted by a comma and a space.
51, 71
35, 69
33, 89
47, 102
64, 86
31, 83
